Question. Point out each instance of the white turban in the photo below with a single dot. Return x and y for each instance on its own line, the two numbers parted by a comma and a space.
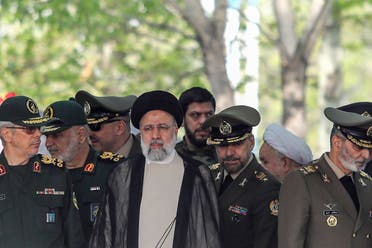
287, 144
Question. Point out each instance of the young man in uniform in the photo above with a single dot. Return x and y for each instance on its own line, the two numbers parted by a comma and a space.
248, 193
109, 123
36, 207
328, 203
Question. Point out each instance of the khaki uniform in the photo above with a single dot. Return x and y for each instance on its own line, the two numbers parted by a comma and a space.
249, 207
317, 212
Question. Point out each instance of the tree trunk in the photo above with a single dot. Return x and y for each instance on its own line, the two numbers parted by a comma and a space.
293, 88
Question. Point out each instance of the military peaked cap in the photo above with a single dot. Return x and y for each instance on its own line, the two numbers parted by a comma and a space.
21, 110
102, 108
63, 115
231, 125
354, 121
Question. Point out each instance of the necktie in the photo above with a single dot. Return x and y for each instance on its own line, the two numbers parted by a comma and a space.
226, 183
348, 184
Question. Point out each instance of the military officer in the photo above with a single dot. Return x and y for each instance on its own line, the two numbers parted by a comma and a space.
67, 139
36, 207
328, 203
248, 193
109, 123
197, 104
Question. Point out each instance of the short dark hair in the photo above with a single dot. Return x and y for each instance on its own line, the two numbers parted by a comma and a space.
195, 94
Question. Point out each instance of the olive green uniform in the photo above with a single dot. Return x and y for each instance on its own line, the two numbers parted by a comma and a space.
316, 210
249, 207
36, 208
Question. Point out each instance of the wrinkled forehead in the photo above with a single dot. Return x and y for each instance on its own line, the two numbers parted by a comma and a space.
155, 117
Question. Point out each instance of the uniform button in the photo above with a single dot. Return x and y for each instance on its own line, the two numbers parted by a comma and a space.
367, 236
354, 235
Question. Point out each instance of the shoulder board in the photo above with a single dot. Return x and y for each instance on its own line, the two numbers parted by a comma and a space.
261, 176
45, 159
365, 175
111, 156
214, 166
309, 169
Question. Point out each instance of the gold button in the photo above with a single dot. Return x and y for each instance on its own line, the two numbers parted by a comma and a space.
354, 235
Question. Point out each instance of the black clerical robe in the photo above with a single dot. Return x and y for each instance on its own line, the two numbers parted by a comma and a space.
197, 220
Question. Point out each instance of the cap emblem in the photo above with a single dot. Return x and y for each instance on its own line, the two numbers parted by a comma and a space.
225, 128
87, 108
32, 107
49, 112
369, 131
366, 114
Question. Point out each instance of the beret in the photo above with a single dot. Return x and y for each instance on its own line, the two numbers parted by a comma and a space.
63, 115
354, 121
156, 100
21, 110
231, 124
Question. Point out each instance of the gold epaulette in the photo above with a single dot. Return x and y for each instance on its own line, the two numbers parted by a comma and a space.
45, 159
365, 175
214, 166
111, 156
309, 169
261, 176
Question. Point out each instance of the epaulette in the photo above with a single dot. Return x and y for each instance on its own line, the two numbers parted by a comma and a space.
45, 159
111, 156
261, 176
365, 175
309, 169
214, 166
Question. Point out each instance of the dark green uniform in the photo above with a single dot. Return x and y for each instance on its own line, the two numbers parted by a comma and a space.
89, 183
206, 155
249, 207
36, 208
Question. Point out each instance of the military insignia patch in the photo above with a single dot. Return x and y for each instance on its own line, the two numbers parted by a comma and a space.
89, 167
365, 175
261, 176
32, 107
238, 210
325, 178
214, 166
308, 169
243, 182
332, 221
36, 167
50, 217
225, 128
274, 207
330, 209
2, 197
111, 156
94, 207
87, 108
54, 161
2, 170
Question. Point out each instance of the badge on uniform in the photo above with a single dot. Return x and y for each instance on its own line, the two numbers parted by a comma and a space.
238, 210
94, 207
2, 170
243, 182
331, 213
274, 207
95, 188
3, 197
89, 167
50, 217
36, 167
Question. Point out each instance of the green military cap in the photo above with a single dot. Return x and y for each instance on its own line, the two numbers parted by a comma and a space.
231, 125
103, 108
21, 110
63, 115
354, 121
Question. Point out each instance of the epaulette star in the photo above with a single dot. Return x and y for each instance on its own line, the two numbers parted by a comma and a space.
214, 166
111, 156
45, 159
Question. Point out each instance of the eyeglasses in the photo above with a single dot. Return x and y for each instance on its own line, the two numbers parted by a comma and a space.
28, 130
98, 126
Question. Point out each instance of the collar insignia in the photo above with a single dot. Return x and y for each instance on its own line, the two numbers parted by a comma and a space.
36, 167
2, 170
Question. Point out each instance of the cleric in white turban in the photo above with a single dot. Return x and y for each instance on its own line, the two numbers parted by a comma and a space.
282, 151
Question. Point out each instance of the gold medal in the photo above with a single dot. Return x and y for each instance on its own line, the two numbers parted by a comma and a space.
332, 220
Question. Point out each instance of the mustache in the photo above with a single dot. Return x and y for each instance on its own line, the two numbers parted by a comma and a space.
156, 142
230, 159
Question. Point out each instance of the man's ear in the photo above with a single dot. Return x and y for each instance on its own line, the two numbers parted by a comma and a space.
336, 142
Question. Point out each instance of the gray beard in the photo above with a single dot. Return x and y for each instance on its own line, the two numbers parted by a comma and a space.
158, 154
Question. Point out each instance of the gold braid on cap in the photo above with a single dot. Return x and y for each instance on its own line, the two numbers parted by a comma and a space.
36, 120
228, 140
95, 121
362, 143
